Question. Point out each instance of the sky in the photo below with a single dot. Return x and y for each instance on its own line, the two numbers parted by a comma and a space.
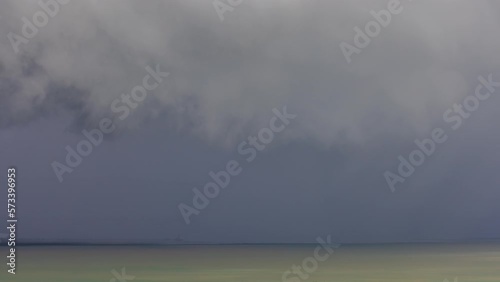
218, 71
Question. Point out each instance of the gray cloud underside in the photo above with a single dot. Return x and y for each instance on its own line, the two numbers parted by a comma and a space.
226, 76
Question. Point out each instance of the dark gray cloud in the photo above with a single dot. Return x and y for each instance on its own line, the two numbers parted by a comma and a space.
323, 174
286, 52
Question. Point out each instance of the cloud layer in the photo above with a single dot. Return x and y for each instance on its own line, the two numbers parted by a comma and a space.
322, 175
226, 76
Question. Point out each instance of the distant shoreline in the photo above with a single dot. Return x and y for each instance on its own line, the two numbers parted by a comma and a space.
4, 244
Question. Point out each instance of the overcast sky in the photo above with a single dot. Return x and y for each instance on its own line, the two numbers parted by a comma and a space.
323, 174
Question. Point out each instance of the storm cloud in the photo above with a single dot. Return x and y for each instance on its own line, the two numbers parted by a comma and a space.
225, 78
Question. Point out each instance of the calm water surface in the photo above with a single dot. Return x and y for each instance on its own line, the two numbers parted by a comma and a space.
257, 263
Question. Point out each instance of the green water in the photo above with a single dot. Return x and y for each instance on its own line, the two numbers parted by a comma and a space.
422, 262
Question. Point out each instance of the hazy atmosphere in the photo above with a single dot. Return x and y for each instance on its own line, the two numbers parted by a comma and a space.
313, 118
